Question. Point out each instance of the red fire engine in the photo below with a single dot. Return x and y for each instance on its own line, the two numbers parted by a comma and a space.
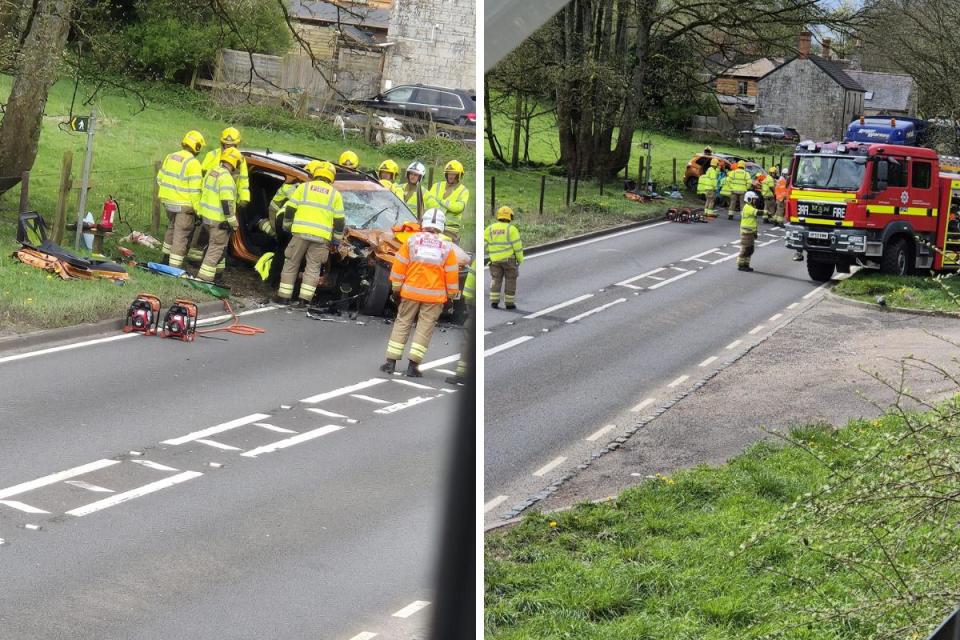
876, 205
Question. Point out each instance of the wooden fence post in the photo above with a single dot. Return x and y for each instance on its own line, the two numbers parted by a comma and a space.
24, 192
576, 184
566, 200
430, 177
155, 209
640, 174
63, 194
675, 173
543, 188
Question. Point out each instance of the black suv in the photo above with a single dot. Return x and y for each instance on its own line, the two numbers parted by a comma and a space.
447, 106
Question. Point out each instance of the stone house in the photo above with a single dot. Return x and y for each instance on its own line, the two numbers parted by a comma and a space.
887, 93
810, 93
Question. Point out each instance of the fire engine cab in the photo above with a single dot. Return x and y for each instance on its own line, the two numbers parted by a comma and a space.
885, 206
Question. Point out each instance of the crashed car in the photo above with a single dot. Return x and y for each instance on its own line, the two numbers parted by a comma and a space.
377, 222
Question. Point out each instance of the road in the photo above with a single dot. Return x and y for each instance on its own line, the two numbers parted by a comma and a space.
275, 486
610, 330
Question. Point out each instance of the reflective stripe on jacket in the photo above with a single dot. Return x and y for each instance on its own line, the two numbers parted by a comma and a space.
180, 180
219, 187
453, 205
425, 269
707, 181
319, 211
502, 242
739, 180
212, 160
748, 219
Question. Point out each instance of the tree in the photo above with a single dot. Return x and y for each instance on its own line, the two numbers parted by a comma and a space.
35, 68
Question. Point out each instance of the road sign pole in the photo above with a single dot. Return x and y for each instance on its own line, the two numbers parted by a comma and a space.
85, 180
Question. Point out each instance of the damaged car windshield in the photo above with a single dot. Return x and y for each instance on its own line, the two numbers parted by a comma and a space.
362, 207
824, 172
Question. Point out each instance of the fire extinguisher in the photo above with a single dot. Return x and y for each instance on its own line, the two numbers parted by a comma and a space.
110, 210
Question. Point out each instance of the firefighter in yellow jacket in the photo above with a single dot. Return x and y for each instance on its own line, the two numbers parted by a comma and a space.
748, 231
318, 222
739, 183
417, 197
707, 187
388, 172
504, 249
180, 182
230, 139
218, 209
452, 196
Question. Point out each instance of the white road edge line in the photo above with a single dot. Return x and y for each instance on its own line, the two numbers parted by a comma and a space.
364, 635
757, 329
133, 493
289, 442
342, 391
673, 279
411, 609
547, 468
793, 305
21, 506
600, 239
220, 428
708, 361
556, 307
815, 291
679, 381
55, 478
734, 344
596, 435
775, 317
643, 405
493, 504
595, 310
506, 345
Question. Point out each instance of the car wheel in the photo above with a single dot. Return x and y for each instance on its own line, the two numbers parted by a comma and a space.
446, 134
378, 294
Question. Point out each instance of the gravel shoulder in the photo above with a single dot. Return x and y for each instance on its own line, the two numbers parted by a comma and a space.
815, 369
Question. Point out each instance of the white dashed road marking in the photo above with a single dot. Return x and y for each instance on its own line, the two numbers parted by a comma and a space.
679, 381
55, 478
596, 435
360, 386
156, 466
673, 279
411, 609
289, 442
815, 291
400, 406
220, 428
595, 310
21, 506
364, 635
133, 493
218, 445
360, 396
271, 427
547, 468
324, 412
757, 329
775, 317
734, 344
506, 345
557, 307
415, 385
493, 504
643, 405
708, 361
80, 484
793, 305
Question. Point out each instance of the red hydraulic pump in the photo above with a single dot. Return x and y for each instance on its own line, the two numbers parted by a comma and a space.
110, 211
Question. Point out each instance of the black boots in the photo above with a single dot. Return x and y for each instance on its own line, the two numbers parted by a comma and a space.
495, 305
457, 380
744, 268
389, 366
413, 370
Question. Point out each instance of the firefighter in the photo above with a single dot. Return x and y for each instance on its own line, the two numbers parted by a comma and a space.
748, 231
180, 182
767, 207
504, 248
317, 222
469, 295
707, 186
272, 224
425, 275
417, 199
779, 196
388, 172
452, 196
219, 213
739, 180
230, 139
350, 160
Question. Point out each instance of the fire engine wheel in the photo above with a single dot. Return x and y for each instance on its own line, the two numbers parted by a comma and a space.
819, 270
376, 301
896, 259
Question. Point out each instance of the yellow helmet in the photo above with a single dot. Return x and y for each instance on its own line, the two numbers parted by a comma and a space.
454, 166
193, 141
505, 213
773, 170
232, 156
715, 162
741, 164
325, 170
389, 166
349, 159
230, 135
311, 166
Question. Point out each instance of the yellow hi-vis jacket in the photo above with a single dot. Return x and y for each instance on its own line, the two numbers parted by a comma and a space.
766, 188
319, 212
707, 182
180, 180
397, 189
218, 201
739, 180
502, 242
453, 205
212, 160
470, 283
748, 219
428, 200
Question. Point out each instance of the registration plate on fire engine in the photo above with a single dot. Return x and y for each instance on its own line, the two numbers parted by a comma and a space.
821, 210
818, 235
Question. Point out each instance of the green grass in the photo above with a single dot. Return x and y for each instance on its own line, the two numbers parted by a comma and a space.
911, 292
778, 543
127, 143
520, 188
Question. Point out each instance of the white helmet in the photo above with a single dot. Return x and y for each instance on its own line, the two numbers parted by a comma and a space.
417, 168
434, 219
750, 196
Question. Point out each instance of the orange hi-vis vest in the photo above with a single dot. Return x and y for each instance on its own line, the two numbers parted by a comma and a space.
425, 269
781, 189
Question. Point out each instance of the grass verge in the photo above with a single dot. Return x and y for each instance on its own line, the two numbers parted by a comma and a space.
840, 534
910, 292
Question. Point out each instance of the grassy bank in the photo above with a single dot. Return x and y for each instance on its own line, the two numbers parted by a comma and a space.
912, 292
841, 535
129, 138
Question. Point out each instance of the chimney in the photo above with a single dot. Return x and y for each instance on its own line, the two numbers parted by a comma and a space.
826, 47
805, 37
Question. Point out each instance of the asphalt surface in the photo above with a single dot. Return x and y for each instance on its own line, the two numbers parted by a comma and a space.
151, 488
566, 384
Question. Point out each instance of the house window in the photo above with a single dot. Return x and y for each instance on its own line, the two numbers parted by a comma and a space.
742, 88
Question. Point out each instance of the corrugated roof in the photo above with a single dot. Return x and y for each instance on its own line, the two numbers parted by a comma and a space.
891, 91
353, 15
835, 71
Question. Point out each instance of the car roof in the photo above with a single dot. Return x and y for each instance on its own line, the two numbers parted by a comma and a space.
298, 161
434, 86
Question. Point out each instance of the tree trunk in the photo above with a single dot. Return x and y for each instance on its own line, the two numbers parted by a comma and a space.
36, 72
517, 120
488, 125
